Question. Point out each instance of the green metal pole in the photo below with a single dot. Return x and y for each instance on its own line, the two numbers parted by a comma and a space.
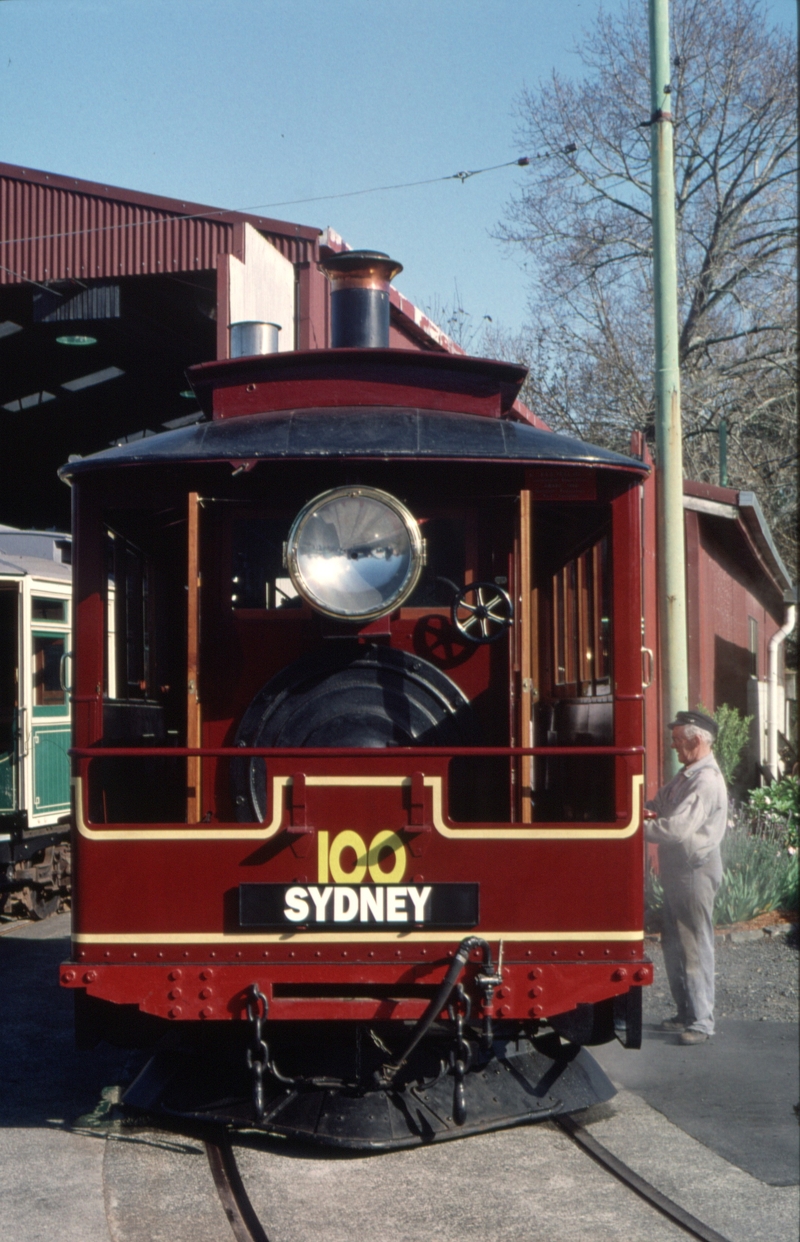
669, 447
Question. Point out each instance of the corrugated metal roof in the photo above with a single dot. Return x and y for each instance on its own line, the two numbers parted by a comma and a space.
59, 228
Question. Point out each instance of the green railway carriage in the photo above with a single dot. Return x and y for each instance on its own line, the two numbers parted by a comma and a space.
35, 723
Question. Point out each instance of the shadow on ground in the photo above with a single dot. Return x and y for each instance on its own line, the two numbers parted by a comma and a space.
45, 1081
736, 1093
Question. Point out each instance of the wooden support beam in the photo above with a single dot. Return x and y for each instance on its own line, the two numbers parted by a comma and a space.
193, 710
525, 733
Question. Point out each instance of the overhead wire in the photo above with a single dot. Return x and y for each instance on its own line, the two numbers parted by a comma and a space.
463, 176
25, 279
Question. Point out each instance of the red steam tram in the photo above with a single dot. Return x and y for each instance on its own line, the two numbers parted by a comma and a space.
358, 760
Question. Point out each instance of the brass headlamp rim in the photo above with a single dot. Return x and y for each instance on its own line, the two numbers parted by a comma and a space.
416, 546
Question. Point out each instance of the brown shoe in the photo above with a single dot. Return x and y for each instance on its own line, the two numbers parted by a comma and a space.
672, 1024
693, 1037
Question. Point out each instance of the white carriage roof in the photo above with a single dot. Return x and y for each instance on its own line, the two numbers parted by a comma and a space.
33, 554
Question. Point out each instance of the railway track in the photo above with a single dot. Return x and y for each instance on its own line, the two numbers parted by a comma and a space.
247, 1227
668, 1207
230, 1188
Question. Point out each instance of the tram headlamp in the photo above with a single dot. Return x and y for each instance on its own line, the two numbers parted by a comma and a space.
354, 553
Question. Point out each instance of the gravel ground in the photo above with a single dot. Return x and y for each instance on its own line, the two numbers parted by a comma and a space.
757, 980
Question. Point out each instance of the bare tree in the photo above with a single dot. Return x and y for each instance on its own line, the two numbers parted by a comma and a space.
583, 216
463, 328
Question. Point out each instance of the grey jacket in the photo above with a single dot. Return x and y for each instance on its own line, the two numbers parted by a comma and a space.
692, 812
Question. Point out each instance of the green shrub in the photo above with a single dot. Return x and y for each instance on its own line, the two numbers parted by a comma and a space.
790, 899
759, 872
734, 731
777, 807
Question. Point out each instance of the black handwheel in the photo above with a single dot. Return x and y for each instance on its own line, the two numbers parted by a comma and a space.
482, 612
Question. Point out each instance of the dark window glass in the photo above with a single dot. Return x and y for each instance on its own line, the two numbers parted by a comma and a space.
137, 636
258, 578
48, 609
445, 567
581, 621
603, 605
130, 574
47, 688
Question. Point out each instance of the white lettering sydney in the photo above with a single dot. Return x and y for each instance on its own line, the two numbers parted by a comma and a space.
379, 903
296, 905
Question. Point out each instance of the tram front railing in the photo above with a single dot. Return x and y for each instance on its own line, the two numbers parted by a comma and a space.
156, 791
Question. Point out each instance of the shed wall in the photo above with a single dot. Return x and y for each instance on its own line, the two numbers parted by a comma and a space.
725, 602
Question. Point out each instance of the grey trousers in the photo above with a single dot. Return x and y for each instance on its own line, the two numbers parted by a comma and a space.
687, 938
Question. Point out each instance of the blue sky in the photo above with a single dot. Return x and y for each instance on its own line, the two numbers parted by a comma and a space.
246, 103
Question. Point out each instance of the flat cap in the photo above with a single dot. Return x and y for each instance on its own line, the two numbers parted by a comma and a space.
696, 718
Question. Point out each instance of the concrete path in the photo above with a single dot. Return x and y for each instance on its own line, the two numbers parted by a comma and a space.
527, 1185
66, 1172
51, 1179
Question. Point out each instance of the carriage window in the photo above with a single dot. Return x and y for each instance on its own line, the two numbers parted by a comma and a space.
564, 613
445, 563
581, 620
53, 610
258, 577
130, 625
48, 651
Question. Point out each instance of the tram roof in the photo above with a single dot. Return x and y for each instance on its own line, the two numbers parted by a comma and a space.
358, 433
39, 554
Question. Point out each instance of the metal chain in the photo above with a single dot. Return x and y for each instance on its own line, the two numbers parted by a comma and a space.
378, 1042
258, 1052
459, 1011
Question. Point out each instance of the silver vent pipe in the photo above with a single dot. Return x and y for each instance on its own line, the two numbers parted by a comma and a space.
253, 336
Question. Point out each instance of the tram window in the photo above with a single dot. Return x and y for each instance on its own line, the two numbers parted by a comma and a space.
9, 692
445, 563
259, 579
135, 605
53, 610
564, 611
48, 651
601, 612
581, 621
131, 625
258, 576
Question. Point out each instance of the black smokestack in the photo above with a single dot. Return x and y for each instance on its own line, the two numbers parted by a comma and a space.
360, 282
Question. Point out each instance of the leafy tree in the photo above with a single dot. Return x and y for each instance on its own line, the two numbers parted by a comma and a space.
583, 216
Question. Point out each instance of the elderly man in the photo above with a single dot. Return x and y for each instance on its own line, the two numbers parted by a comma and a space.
692, 814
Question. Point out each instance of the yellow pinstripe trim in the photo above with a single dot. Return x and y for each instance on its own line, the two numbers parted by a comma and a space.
539, 832
476, 832
295, 937
192, 832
